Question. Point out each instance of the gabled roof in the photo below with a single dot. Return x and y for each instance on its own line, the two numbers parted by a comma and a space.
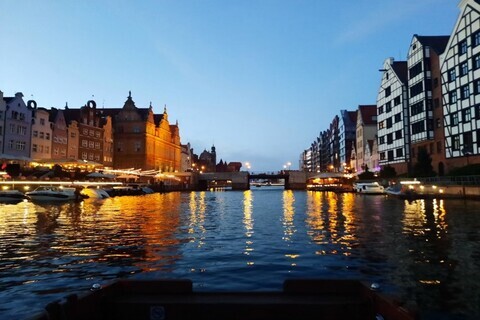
437, 43
353, 116
368, 114
401, 70
8, 99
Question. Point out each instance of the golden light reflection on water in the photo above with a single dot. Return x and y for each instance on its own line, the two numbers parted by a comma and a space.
425, 216
248, 223
315, 219
288, 214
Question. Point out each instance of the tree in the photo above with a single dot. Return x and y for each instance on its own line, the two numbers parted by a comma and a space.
388, 172
423, 167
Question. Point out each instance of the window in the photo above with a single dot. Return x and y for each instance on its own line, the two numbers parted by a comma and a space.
85, 132
91, 145
452, 75
136, 129
465, 92
73, 134
92, 133
20, 145
476, 62
396, 101
10, 144
467, 142
84, 143
477, 115
454, 119
388, 91
399, 153
41, 135
418, 127
381, 140
389, 122
416, 108
390, 155
416, 89
47, 136
476, 39
382, 155
462, 47
398, 117
34, 148
381, 125
455, 140
476, 86
388, 106
438, 122
42, 122
389, 138
84, 155
452, 96
463, 68
97, 134
55, 151
380, 110
415, 70
398, 134
97, 145
466, 115
12, 128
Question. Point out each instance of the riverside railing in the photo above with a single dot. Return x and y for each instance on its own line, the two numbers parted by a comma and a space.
452, 180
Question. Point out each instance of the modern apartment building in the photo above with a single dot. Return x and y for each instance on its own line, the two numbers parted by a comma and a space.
424, 100
393, 117
460, 68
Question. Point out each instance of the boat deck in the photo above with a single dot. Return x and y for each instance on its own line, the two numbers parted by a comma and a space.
175, 299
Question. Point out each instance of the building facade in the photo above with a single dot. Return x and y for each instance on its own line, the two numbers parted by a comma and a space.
144, 140
425, 108
366, 130
346, 131
41, 134
60, 143
393, 117
460, 68
17, 128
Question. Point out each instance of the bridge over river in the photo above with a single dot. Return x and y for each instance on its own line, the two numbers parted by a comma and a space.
294, 180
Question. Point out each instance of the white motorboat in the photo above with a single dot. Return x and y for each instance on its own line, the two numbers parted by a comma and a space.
369, 188
11, 196
50, 193
95, 193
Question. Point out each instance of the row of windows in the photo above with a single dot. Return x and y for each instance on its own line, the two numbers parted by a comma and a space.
17, 145
19, 130
90, 156
390, 154
466, 115
91, 133
63, 140
463, 46
40, 148
390, 137
90, 144
41, 135
467, 142
389, 121
415, 70
18, 115
463, 68
464, 92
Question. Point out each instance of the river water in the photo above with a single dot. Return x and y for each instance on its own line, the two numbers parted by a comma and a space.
425, 252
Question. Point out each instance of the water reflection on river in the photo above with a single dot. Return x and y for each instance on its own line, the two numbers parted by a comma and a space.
426, 251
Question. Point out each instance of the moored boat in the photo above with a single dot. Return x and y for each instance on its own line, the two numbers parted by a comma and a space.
11, 196
51, 193
175, 299
369, 188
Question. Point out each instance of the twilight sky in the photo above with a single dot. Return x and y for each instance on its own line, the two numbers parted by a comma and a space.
259, 79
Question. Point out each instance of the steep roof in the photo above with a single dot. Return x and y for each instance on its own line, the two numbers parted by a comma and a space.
437, 43
368, 114
353, 116
401, 70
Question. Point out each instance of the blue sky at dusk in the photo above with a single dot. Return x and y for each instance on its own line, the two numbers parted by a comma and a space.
259, 79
